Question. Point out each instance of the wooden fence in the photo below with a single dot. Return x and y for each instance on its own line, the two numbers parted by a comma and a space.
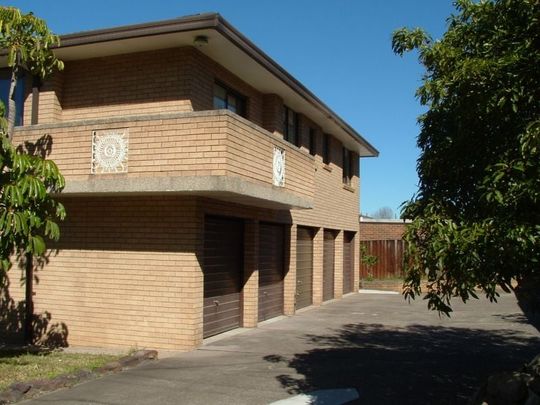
389, 254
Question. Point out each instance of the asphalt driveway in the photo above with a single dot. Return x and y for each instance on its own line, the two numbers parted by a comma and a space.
387, 350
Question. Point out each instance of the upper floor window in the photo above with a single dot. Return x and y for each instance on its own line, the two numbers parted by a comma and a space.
326, 149
348, 166
5, 81
226, 98
291, 126
312, 142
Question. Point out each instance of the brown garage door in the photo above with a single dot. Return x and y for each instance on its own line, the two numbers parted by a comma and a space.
328, 265
304, 267
348, 262
223, 268
271, 244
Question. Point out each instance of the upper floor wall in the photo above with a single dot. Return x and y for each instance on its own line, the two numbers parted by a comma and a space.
183, 80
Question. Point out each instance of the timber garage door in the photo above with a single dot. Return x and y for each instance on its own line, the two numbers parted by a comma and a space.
348, 262
271, 263
223, 269
328, 265
304, 267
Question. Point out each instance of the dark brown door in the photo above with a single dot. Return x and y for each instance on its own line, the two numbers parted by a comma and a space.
223, 269
328, 265
304, 267
348, 262
271, 263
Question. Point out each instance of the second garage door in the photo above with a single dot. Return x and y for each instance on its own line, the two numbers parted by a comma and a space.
271, 264
223, 269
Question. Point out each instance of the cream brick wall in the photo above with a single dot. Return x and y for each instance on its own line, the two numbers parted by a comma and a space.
121, 276
318, 251
250, 288
190, 144
338, 265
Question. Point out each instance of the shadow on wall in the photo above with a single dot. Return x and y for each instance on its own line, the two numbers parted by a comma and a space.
42, 147
12, 314
417, 364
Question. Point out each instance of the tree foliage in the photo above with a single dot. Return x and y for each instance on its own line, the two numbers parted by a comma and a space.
27, 41
476, 216
28, 213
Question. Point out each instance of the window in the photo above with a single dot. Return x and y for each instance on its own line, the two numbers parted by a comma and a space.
228, 99
5, 80
312, 142
348, 166
291, 126
326, 148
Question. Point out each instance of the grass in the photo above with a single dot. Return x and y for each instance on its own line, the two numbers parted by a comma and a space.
24, 365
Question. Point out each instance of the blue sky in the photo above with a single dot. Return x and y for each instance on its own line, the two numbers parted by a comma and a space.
339, 49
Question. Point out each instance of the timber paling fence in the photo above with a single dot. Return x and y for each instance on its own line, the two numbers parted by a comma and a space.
389, 254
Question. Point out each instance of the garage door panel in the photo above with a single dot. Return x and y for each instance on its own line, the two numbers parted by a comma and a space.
271, 270
223, 269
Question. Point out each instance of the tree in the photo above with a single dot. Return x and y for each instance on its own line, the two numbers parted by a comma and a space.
383, 213
28, 213
476, 215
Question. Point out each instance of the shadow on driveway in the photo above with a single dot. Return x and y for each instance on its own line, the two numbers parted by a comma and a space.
416, 364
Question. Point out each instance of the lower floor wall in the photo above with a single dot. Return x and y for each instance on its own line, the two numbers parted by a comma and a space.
129, 272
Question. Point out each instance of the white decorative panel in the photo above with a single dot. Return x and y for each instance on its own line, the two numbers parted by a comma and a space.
279, 167
110, 151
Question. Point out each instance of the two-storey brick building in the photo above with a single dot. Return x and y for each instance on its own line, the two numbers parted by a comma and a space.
206, 188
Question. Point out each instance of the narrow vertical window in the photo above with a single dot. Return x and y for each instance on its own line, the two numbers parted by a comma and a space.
312, 142
5, 81
290, 126
346, 167
326, 148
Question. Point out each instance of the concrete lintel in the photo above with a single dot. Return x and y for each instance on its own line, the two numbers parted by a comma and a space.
226, 188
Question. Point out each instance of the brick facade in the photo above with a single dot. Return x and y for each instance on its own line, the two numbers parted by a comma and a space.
127, 271
381, 230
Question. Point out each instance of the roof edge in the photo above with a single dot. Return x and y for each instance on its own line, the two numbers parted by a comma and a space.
188, 23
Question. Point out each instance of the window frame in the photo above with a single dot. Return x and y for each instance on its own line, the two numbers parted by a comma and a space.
326, 149
230, 92
312, 141
348, 166
294, 137
20, 94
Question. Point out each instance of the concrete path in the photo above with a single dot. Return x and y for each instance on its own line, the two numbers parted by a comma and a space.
378, 345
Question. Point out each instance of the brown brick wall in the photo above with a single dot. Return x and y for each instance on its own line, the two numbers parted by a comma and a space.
140, 83
381, 230
128, 269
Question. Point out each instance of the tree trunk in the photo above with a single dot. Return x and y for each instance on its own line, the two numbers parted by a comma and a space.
29, 300
12, 106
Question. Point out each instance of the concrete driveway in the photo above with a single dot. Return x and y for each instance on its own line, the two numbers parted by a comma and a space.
388, 350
